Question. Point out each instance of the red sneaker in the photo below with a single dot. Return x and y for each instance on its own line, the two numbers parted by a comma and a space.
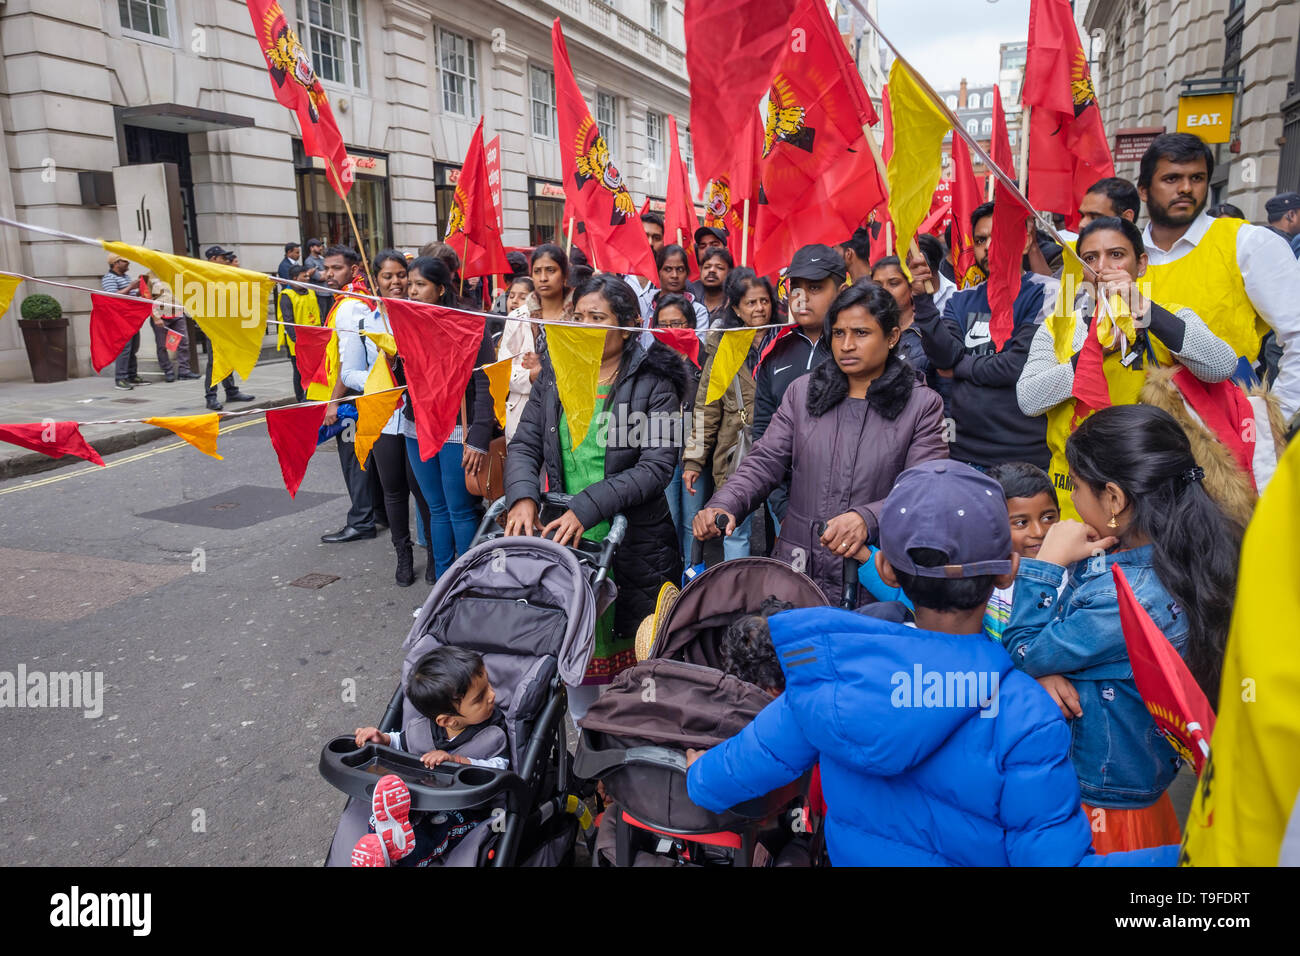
369, 851
391, 809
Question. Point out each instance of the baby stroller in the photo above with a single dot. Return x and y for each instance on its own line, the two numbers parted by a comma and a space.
635, 737
529, 606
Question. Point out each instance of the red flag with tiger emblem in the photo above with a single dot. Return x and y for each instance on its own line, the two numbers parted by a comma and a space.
680, 221
616, 240
472, 223
1068, 151
818, 179
298, 88
966, 198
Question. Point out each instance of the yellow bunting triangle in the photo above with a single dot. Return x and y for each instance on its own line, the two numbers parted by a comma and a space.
498, 375
380, 378
8, 286
199, 430
917, 161
575, 355
373, 413
727, 360
384, 341
229, 304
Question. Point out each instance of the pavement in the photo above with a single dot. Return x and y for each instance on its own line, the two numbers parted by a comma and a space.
96, 399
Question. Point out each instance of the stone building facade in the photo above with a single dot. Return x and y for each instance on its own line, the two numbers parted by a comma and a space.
90, 85
1142, 51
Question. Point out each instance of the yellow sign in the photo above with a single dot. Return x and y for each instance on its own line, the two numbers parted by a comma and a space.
1208, 116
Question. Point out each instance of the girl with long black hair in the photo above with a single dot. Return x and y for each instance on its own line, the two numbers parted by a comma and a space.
1138, 489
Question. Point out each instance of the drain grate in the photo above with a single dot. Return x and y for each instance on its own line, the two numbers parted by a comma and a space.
315, 581
129, 401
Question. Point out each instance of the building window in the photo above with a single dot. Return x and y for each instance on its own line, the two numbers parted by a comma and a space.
988, 101
144, 16
987, 126
332, 36
952, 102
541, 85
1011, 137
654, 138
658, 16
973, 127
459, 74
607, 120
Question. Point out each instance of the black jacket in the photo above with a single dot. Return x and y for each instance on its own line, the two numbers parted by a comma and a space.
989, 427
652, 382
791, 358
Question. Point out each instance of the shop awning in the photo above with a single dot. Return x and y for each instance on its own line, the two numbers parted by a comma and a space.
175, 118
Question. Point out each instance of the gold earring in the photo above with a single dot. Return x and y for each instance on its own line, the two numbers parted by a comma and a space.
1112, 523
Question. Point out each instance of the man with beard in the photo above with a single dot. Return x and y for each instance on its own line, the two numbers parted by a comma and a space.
343, 272
1241, 279
715, 265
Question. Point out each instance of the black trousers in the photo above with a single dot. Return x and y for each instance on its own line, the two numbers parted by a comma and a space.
398, 482
361, 515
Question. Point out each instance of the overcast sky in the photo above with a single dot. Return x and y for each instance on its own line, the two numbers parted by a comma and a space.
949, 39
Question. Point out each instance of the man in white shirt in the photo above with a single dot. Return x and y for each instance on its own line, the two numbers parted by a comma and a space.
1241, 279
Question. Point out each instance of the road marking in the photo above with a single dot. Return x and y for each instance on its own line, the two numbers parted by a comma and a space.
121, 461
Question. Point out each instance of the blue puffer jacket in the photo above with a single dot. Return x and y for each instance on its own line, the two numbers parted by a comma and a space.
909, 777
1069, 624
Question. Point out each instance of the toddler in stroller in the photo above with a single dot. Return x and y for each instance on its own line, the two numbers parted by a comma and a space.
680, 698
527, 607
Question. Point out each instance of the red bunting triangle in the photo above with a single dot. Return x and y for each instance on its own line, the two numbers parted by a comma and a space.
309, 352
112, 323
684, 341
1091, 392
293, 434
438, 347
55, 439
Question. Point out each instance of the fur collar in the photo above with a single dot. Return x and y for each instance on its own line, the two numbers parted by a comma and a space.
887, 395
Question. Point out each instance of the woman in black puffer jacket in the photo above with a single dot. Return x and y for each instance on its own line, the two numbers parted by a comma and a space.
621, 466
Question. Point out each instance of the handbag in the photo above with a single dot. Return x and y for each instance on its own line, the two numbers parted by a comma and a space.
490, 482
744, 435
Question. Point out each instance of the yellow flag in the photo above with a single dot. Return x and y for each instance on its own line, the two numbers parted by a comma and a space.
917, 161
498, 375
229, 304
199, 430
373, 413
727, 360
1246, 811
384, 341
575, 355
380, 377
8, 286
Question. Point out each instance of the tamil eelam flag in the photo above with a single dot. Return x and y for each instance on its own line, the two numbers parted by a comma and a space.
472, 230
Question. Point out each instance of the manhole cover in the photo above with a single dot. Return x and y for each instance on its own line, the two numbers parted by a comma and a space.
315, 581
225, 506
240, 507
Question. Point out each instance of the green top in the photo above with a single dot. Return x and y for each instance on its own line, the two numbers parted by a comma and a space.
584, 466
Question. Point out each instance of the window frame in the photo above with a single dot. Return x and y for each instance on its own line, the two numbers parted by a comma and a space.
659, 12
986, 126
354, 71
470, 92
553, 133
652, 160
611, 137
169, 14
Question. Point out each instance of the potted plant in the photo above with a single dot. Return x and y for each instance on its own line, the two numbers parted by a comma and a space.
45, 333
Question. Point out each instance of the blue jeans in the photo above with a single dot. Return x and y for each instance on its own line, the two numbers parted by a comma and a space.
453, 511
737, 546
684, 506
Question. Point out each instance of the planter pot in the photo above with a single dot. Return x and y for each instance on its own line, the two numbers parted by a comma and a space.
47, 349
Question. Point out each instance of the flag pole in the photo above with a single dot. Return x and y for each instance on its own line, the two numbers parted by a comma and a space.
568, 242
1024, 148
744, 236
365, 259
462, 266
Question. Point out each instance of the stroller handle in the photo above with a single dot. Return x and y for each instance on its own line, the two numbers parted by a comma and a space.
849, 584
697, 546
556, 499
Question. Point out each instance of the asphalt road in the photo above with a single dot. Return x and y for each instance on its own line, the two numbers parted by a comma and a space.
221, 680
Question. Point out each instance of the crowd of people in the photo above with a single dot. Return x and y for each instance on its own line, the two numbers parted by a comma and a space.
832, 443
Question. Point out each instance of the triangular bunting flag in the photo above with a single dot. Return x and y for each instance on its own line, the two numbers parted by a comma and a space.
112, 323
199, 430
380, 378
229, 304
727, 360
498, 376
373, 412
312, 347
438, 348
685, 341
8, 286
293, 434
575, 356
55, 439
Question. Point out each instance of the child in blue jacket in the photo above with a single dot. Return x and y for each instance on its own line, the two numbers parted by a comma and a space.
934, 749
